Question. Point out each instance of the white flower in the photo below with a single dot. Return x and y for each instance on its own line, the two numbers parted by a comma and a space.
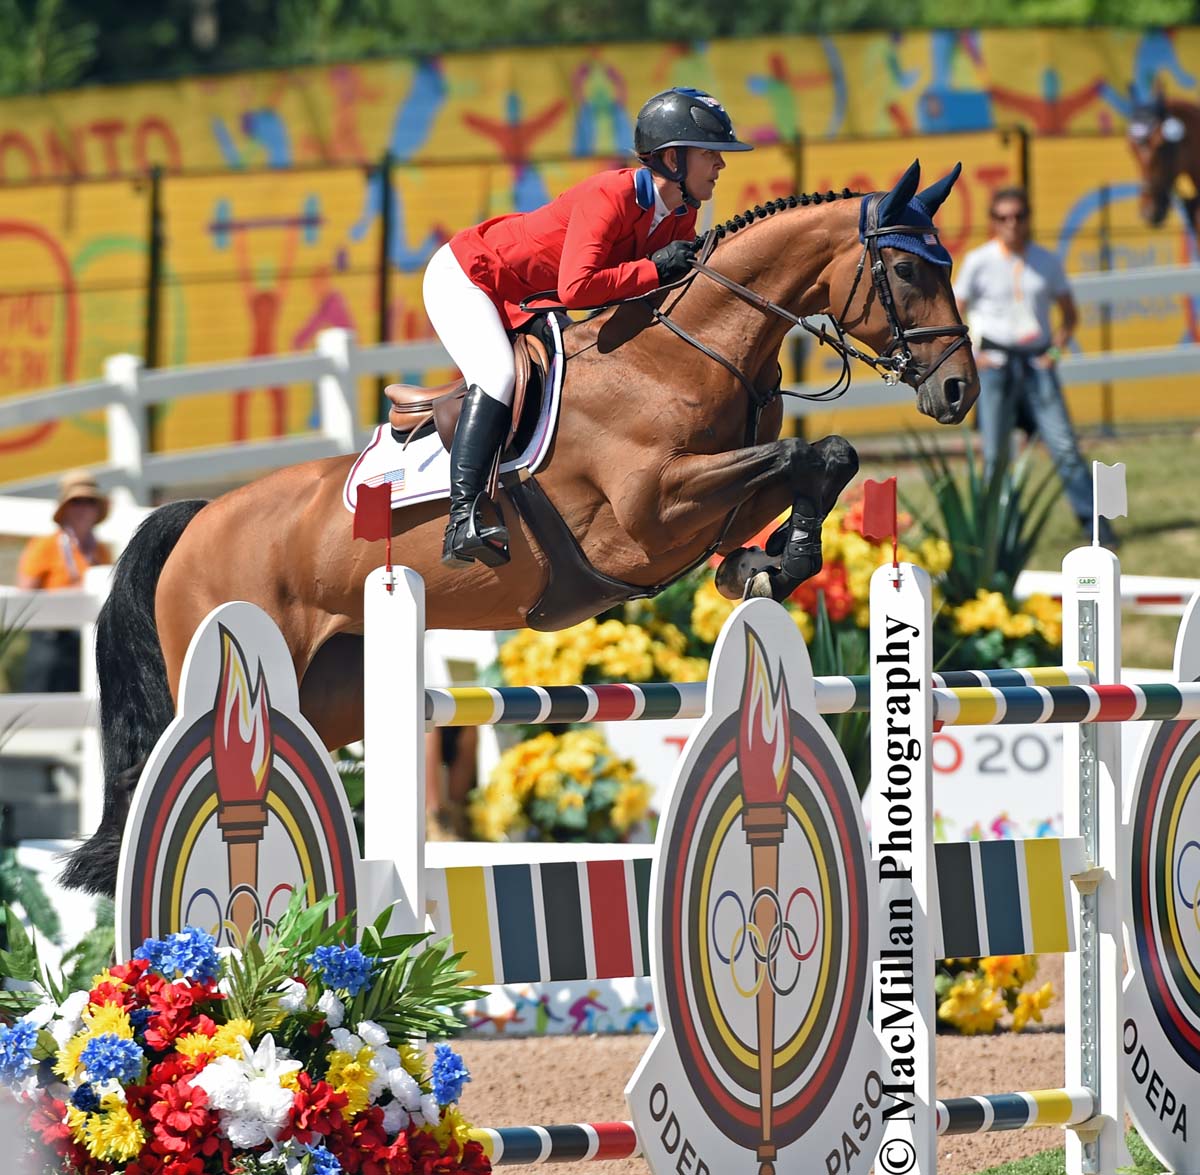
225, 1083
332, 1008
45, 1012
346, 1041
294, 996
253, 1105
405, 1089
395, 1118
70, 1017
372, 1034
430, 1109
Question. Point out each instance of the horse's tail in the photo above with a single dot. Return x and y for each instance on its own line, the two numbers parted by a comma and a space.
135, 698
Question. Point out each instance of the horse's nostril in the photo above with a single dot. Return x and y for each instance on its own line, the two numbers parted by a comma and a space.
953, 389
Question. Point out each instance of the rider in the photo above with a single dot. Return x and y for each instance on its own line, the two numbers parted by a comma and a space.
616, 235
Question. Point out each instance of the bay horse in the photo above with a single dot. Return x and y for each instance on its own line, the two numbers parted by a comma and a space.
1165, 139
666, 451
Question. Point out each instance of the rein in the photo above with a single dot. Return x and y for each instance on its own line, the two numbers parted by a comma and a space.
891, 364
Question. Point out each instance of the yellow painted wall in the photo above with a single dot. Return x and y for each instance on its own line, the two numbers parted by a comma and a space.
271, 220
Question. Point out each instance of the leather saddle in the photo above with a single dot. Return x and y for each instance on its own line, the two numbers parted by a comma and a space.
413, 407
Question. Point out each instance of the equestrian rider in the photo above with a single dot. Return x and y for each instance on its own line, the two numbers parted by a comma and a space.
616, 235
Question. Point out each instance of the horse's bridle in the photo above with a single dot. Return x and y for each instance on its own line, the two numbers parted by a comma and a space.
892, 363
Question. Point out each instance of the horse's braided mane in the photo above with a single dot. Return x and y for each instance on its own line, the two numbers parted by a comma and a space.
760, 211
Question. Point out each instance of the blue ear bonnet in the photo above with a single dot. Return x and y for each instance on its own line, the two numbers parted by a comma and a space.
927, 246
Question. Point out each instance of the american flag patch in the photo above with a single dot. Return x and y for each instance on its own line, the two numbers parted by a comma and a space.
394, 476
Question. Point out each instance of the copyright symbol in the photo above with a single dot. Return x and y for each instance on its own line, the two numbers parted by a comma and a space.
897, 1155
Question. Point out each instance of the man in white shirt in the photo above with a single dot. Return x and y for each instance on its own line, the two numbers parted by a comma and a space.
1006, 290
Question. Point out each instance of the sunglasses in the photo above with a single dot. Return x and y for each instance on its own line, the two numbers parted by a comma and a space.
1010, 216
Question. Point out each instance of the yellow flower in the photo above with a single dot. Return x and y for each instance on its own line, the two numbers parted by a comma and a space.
77, 1122
352, 1075
68, 1058
1009, 970
936, 555
972, 1006
101, 1018
804, 622
112, 1135
630, 806
453, 1125
570, 800
413, 1061
1030, 1005
710, 610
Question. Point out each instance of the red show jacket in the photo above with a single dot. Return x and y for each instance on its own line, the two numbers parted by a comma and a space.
592, 244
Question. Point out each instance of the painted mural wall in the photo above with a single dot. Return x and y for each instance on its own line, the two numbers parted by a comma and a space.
271, 210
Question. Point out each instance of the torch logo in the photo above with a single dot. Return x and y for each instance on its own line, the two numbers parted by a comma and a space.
762, 927
239, 805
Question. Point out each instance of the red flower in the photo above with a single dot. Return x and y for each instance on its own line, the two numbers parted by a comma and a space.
181, 1117
316, 1109
353, 1142
173, 1014
47, 1121
831, 581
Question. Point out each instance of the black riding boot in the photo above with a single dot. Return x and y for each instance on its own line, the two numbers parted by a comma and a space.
481, 429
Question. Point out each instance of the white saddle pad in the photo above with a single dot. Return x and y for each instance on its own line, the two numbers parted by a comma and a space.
420, 471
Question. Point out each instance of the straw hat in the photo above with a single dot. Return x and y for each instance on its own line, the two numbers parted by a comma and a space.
79, 485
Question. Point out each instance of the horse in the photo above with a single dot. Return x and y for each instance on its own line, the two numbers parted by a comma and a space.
667, 450
1165, 139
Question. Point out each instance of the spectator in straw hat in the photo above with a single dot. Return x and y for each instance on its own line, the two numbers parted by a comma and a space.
59, 560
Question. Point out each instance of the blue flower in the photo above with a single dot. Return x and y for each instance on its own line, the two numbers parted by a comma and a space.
16, 1050
190, 952
324, 1163
138, 1018
109, 1056
449, 1074
85, 1098
342, 968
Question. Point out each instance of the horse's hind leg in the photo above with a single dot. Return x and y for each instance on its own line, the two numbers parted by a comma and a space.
331, 690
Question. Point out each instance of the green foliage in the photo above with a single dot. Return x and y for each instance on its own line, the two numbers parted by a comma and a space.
413, 994
44, 45
58, 43
836, 651
92, 953
992, 525
20, 886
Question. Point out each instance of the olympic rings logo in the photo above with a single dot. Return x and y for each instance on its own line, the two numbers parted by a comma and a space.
1192, 884
767, 955
223, 928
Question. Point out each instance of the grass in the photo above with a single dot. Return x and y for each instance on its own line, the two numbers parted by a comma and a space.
1159, 537
1053, 1162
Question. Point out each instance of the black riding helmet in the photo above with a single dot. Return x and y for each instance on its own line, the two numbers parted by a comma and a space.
682, 118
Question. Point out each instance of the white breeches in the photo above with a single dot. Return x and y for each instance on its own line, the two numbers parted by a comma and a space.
469, 326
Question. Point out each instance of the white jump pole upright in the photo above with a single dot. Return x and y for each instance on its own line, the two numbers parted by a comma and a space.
1092, 810
902, 855
394, 733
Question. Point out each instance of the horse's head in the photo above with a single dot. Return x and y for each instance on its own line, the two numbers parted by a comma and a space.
894, 283
1158, 134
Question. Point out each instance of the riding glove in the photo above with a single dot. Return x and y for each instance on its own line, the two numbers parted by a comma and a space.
673, 261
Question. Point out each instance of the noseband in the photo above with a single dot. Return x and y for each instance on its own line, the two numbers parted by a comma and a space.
891, 363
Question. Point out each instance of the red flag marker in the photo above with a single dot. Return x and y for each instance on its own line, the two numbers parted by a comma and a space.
879, 515
373, 519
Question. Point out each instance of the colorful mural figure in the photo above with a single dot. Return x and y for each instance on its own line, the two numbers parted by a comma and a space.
469, 142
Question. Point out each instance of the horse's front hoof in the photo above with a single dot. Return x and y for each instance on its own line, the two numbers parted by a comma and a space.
759, 587
738, 568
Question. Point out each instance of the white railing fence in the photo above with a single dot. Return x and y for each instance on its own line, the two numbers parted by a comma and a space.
134, 473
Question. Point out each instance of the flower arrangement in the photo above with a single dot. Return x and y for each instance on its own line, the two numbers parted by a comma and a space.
975, 994
295, 1057
560, 787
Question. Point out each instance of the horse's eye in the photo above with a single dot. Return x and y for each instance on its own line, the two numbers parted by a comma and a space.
905, 270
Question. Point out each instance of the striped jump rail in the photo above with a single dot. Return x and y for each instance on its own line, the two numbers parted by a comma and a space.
518, 705
1033, 705
617, 1140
